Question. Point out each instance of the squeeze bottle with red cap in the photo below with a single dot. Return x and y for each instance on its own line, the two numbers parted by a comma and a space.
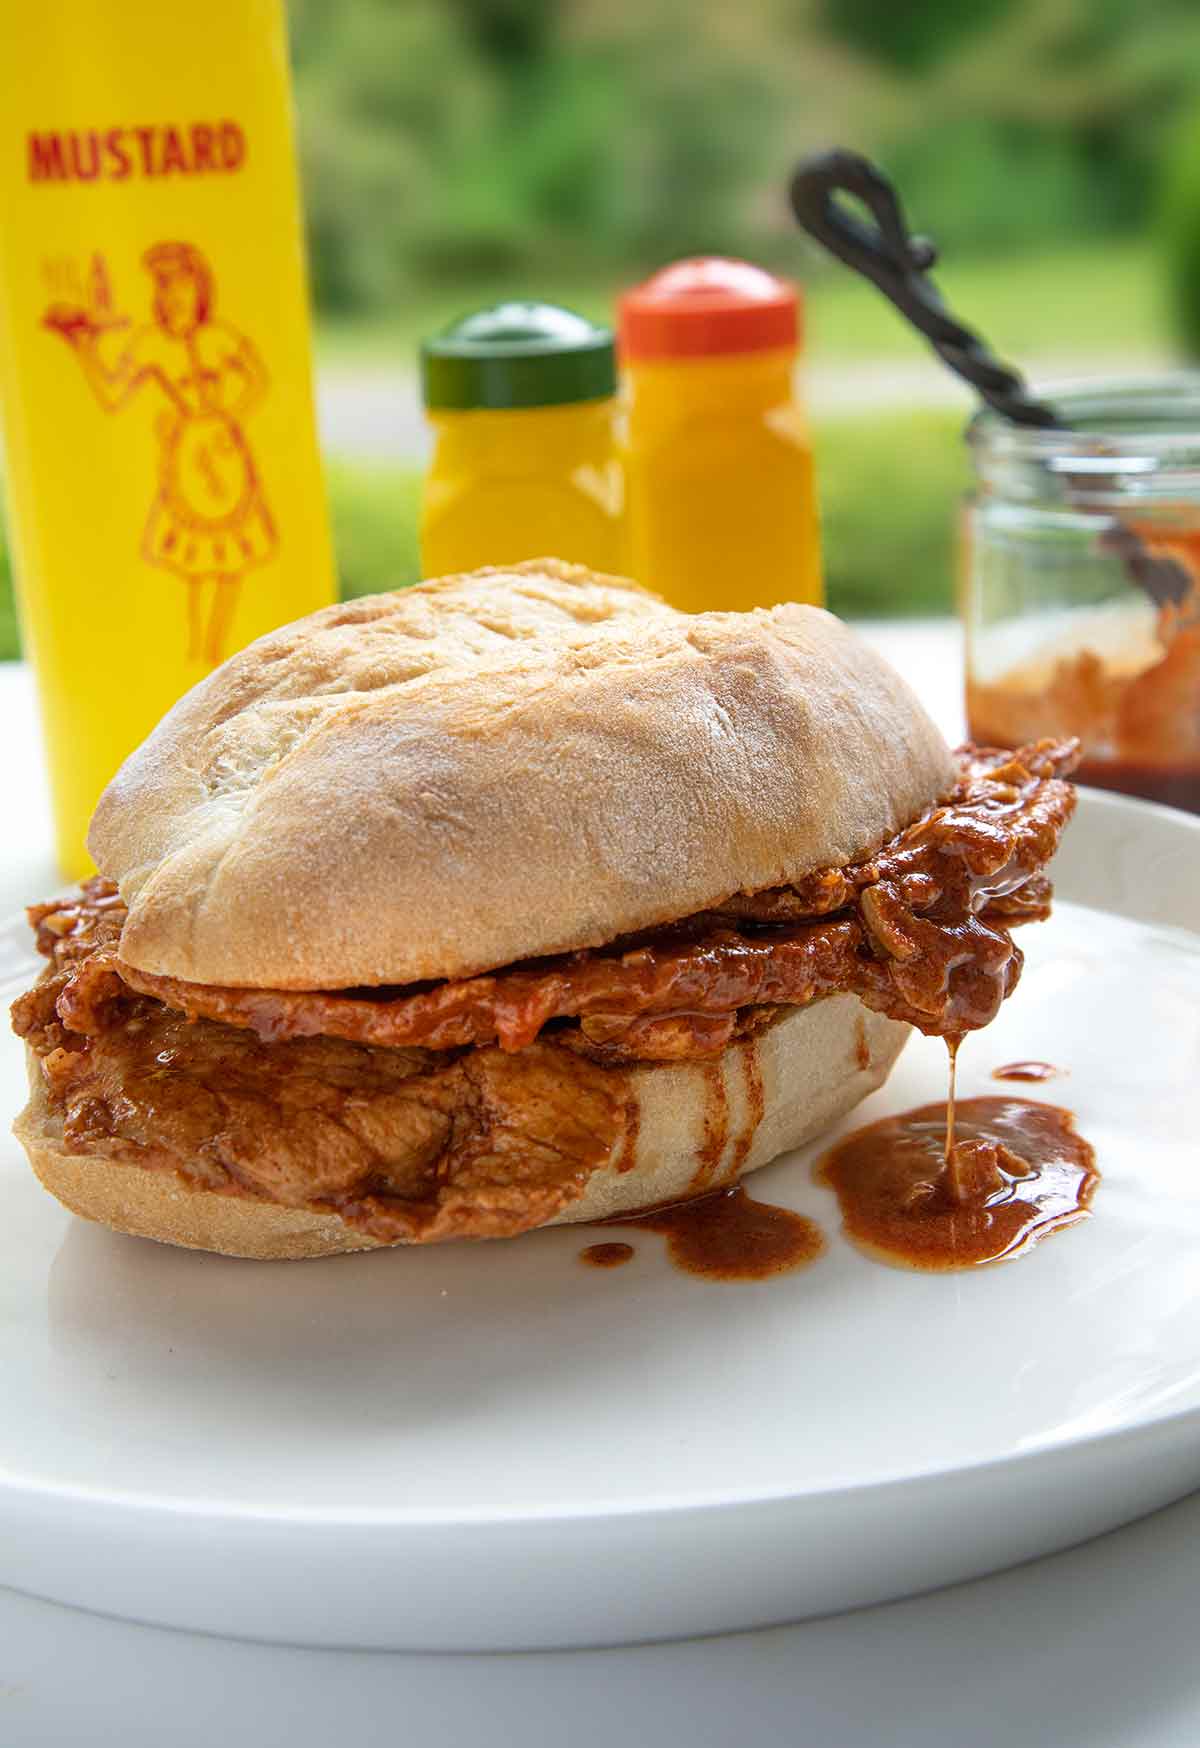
722, 511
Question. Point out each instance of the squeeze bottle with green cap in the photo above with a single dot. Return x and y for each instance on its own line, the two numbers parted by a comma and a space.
521, 398
722, 509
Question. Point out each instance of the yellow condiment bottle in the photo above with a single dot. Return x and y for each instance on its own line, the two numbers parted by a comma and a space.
722, 503
521, 401
164, 488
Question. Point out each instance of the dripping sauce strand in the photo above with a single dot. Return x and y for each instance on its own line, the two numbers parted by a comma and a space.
723, 1234
957, 1185
976, 1181
1020, 1172
943, 1187
954, 1186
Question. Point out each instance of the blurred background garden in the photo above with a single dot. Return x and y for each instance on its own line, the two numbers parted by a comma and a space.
454, 151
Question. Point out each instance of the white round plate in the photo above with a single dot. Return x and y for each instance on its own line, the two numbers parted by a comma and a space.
492, 1446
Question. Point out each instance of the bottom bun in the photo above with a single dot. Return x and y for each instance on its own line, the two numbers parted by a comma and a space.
698, 1126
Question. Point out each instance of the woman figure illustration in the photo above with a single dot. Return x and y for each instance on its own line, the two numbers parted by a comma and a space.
209, 522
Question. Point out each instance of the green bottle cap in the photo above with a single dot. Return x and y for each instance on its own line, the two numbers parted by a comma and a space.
518, 355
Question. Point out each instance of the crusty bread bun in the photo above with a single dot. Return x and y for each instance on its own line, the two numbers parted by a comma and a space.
487, 769
699, 1126
495, 767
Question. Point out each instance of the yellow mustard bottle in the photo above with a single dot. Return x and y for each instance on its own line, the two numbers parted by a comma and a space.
719, 469
521, 399
165, 496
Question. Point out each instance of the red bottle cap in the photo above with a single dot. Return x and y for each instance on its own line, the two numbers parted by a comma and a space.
708, 305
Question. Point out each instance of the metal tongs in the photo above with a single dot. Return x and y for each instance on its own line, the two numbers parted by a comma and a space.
887, 253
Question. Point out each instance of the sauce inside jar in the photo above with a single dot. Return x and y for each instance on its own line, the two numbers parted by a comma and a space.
1134, 704
1014, 1173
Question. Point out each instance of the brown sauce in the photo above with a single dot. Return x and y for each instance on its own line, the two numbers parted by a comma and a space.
716, 1125
1027, 1071
950, 1164
1176, 786
1019, 1173
862, 1050
627, 1158
727, 1236
606, 1256
957, 881
1006, 713
754, 1101
1137, 714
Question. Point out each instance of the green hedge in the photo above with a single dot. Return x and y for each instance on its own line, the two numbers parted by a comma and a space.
890, 490
10, 643
1179, 231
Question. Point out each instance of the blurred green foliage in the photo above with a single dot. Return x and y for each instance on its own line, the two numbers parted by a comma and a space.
1179, 226
909, 37
476, 140
472, 139
374, 510
890, 489
10, 643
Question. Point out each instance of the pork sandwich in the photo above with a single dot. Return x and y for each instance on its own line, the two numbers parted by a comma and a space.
512, 899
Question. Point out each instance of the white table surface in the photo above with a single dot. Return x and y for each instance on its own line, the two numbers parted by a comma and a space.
1094, 1648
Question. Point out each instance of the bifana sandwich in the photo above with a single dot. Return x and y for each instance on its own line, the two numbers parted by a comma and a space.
513, 899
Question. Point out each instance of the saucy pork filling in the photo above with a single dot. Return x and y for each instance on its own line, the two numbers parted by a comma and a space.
480, 1106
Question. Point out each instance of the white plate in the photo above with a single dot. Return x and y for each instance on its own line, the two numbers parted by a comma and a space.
492, 1446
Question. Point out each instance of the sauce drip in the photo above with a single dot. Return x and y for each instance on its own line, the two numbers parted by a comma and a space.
1027, 1071
727, 1236
1174, 786
1020, 1173
716, 1126
606, 1256
627, 1157
754, 1104
950, 1164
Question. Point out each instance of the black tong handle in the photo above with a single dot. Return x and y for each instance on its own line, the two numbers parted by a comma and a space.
886, 252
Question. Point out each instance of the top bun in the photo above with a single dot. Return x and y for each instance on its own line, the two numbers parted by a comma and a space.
497, 766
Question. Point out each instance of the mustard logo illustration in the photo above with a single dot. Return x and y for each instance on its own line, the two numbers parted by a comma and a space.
209, 522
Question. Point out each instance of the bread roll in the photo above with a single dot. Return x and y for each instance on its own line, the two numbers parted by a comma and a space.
491, 768
488, 769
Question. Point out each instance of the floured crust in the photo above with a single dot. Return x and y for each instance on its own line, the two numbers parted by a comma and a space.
693, 1126
495, 767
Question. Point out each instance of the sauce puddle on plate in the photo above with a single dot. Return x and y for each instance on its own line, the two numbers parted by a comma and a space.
728, 1236
606, 1256
931, 1191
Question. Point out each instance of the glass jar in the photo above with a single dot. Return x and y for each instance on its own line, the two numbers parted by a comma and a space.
1061, 639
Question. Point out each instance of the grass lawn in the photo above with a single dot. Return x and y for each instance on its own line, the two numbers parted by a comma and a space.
889, 487
1100, 298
